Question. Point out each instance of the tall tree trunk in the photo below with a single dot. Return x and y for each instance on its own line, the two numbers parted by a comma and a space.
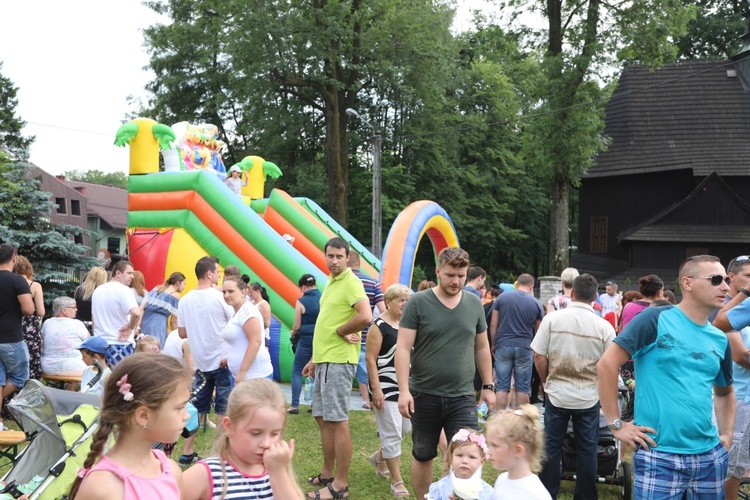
559, 240
337, 153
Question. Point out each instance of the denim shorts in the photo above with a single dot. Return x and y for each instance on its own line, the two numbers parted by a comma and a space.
221, 379
14, 364
516, 361
435, 413
362, 368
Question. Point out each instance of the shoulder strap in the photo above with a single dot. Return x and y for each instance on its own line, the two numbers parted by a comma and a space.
106, 464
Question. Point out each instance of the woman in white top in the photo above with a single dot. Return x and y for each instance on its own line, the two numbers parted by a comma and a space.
62, 334
260, 300
246, 358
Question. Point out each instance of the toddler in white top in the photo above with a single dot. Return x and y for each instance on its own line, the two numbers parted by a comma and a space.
467, 452
515, 439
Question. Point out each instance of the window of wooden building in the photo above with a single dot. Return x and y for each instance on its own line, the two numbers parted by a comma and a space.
599, 235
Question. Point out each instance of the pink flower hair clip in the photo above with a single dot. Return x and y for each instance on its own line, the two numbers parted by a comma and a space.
466, 435
125, 388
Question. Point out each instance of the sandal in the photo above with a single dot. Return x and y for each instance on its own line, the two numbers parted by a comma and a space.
335, 495
399, 493
319, 480
375, 463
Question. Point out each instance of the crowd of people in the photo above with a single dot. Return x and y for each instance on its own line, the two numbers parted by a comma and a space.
424, 361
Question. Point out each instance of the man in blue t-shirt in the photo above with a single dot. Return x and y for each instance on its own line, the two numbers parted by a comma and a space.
739, 340
516, 315
680, 359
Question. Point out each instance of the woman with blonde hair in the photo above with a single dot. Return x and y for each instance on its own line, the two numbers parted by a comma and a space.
32, 325
381, 369
138, 285
96, 277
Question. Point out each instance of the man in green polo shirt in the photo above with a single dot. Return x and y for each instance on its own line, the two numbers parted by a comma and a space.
344, 311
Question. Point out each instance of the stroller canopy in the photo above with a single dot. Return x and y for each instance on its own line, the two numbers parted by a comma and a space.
36, 407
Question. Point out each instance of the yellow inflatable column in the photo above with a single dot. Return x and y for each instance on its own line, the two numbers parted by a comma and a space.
256, 179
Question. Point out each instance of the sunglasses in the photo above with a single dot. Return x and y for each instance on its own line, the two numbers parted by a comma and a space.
736, 260
716, 279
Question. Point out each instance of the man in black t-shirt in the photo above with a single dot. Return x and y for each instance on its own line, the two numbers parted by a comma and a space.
15, 302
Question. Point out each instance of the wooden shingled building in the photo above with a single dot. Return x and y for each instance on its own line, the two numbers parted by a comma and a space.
675, 180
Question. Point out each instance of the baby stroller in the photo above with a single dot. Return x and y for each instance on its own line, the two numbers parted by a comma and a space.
58, 425
610, 468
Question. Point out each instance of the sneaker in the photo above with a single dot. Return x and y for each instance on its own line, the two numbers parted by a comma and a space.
188, 459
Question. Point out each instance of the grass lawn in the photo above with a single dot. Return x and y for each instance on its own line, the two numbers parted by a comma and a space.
364, 484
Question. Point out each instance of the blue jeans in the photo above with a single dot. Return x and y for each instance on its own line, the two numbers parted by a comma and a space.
516, 361
301, 358
221, 380
586, 431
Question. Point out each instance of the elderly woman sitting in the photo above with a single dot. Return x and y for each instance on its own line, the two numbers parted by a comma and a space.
61, 336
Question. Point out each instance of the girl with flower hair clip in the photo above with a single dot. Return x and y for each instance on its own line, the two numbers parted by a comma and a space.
467, 452
144, 401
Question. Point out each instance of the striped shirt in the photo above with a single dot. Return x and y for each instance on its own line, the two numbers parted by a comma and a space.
374, 293
239, 485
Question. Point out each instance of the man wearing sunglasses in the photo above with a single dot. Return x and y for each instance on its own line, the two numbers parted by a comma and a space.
680, 359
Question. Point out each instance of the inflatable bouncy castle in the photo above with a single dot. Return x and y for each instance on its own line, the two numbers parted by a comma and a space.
178, 216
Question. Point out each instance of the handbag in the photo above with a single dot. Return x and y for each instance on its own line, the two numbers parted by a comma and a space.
294, 341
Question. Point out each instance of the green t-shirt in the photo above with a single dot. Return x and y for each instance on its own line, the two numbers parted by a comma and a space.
442, 362
336, 308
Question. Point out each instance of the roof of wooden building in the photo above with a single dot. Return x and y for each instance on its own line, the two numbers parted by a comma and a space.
685, 115
688, 220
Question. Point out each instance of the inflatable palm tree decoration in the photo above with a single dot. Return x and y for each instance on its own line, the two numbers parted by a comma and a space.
257, 170
145, 137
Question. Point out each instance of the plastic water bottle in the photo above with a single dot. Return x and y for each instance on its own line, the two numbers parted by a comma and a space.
482, 410
308, 389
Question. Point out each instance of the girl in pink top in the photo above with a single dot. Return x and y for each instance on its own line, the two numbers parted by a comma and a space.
144, 401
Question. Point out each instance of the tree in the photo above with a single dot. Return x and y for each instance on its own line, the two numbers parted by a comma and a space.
25, 221
114, 179
583, 42
715, 31
11, 140
315, 59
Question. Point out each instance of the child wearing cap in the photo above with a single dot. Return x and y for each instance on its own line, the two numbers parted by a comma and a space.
94, 348
235, 181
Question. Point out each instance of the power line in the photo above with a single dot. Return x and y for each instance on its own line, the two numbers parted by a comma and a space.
69, 129
473, 127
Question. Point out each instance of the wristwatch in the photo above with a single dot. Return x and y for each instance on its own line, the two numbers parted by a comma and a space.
489, 387
615, 425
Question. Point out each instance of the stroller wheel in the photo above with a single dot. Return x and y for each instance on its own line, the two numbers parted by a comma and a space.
744, 493
627, 480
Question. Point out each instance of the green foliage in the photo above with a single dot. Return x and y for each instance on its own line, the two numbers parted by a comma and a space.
11, 141
114, 179
714, 32
25, 221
